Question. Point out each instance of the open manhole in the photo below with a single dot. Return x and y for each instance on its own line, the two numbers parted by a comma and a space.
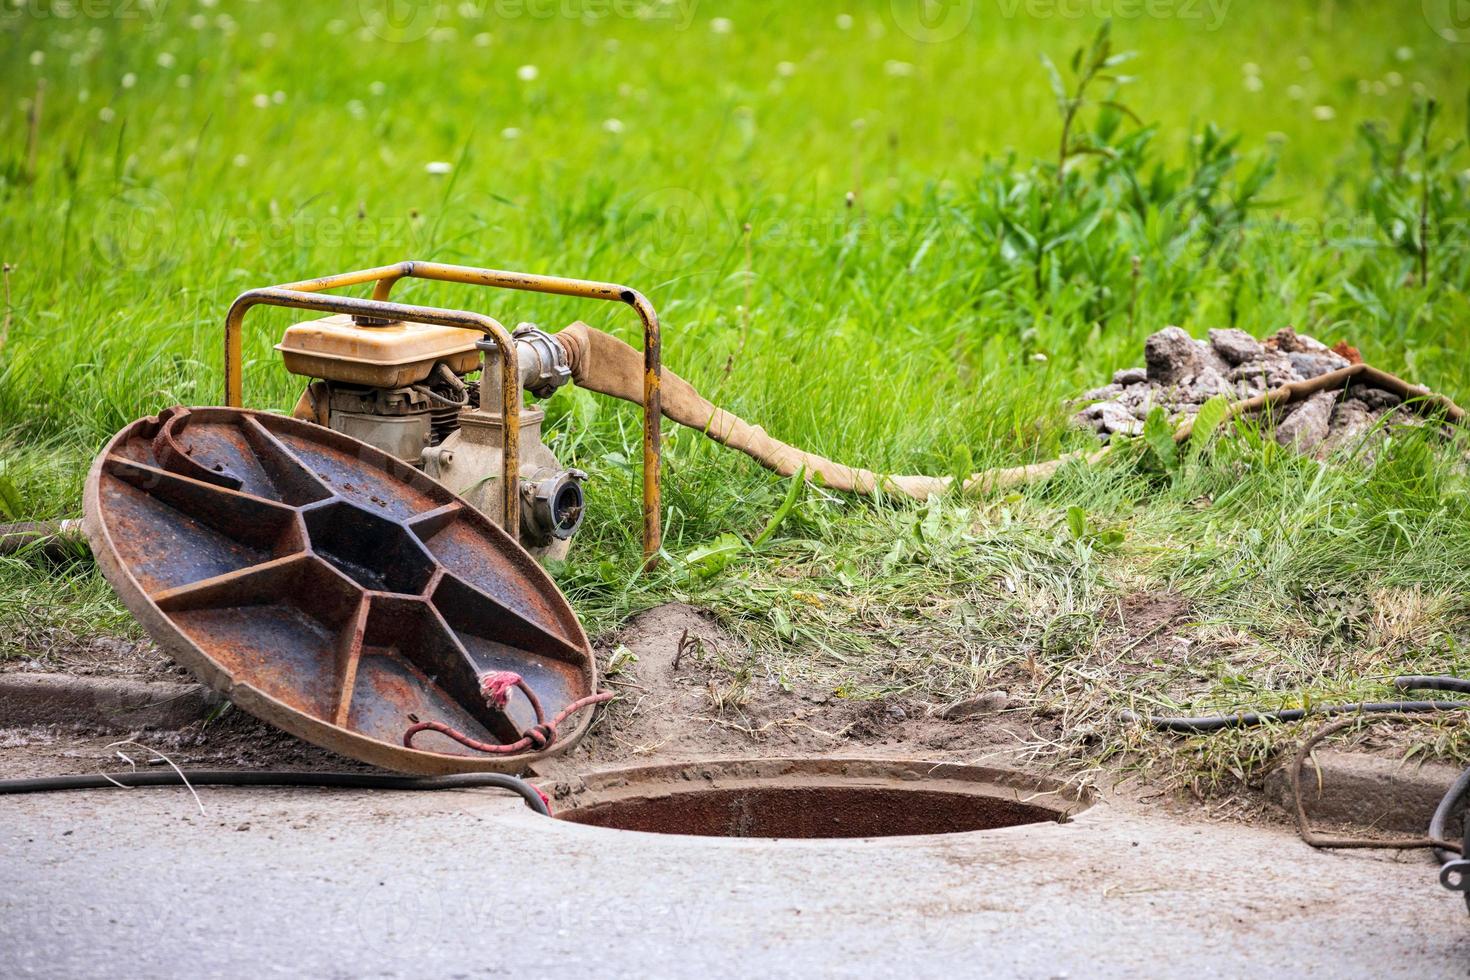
818, 798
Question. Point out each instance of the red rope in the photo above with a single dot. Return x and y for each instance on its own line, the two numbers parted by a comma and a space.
496, 686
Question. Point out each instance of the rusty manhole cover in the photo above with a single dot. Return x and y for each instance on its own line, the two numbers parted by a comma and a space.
818, 798
330, 589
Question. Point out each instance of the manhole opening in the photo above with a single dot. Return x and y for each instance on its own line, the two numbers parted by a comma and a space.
819, 800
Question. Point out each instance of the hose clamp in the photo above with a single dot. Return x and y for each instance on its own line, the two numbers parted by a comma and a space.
550, 370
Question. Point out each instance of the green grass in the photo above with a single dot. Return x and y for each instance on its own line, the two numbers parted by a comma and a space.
897, 193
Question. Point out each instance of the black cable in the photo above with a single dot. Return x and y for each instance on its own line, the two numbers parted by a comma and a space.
1444, 811
1245, 719
1415, 682
237, 777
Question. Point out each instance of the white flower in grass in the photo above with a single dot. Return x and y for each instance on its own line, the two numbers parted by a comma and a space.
483, 40
1039, 357
1250, 68
898, 69
1404, 53
266, 40
438, 167
1253, 83
377, 88
83, 95
165, 59
1324, 113
129, 80
260, 100
785, 69
198, 22
527, 73
510, 133
1296, 92
184, 81
105, 114
614, 126
844, 22
278, 97
241, 160
1379, 88
38, 58
722, 25
1394, 79
356, 109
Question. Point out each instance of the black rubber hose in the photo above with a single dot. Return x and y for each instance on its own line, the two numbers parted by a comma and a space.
1415, 682
1442, 814
234, 777
1245, 719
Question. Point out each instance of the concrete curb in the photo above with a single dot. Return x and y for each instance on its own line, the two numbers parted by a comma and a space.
108, 703
1366, 791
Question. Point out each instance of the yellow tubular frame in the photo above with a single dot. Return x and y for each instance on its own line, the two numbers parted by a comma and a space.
299, 295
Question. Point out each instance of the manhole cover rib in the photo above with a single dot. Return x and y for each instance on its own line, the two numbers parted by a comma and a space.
329, 589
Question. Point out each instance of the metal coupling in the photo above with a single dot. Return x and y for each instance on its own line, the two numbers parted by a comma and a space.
554, 505
546, 368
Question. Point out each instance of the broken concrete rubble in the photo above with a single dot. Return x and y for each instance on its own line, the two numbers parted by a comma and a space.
1183, 373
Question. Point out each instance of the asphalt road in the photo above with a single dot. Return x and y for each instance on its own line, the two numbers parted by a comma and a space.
470, 884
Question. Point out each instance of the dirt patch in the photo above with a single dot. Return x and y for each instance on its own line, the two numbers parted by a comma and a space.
1148, 627
61, 651
688, 690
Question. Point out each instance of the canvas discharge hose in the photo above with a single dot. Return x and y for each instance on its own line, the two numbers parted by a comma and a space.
602, 363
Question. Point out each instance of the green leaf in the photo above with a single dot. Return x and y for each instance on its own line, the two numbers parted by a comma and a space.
1077, 522
793, 491
782, 622
1058, 88
961, 465
10, 502
1159, 435
1206, 421
712, 557
1120, 107
1102, 46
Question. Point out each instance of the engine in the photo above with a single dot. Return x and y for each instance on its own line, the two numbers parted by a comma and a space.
407, 389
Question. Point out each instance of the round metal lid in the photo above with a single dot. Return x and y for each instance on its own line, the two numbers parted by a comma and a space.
331, 590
